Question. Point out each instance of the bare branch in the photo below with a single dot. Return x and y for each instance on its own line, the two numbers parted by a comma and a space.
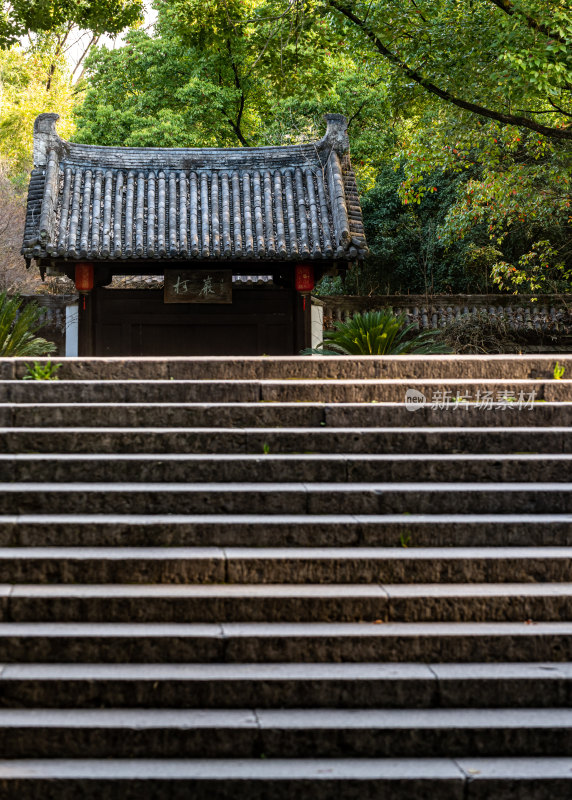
92, 43
271, 36
291, 4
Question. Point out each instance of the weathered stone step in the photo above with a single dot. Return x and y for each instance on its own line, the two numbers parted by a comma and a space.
306, 779
285, 733
503, 685
257, 565
193, 603
490, 642
381, 603
273, 468
298, 441
282, 498
283, 415
343, 530
435, 390
260, 367
404, 592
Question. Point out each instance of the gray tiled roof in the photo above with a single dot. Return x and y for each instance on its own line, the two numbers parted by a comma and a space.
90, 202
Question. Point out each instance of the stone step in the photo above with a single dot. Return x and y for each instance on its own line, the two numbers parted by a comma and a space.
260, 367
285, 733
332, 468
299, 441
421, 642
363, 625
343, 530
367, 685
257, 565
281, 779
213, 603
486, 392
283, 415
282, 498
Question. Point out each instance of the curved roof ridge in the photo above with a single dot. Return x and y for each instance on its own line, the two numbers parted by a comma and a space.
46, 138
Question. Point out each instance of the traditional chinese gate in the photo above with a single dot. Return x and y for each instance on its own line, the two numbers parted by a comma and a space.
196, 216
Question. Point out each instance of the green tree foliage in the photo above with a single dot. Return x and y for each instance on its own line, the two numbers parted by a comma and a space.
23, 80
224, 74
36, 75
513, 185
459, 117
484, 88
12, 213
19, 17
407, 253
505, 60
36, 37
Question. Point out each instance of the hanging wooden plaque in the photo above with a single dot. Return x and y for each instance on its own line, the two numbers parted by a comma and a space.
198, 286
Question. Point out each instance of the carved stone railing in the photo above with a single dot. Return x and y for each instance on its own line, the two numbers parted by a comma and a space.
429, 313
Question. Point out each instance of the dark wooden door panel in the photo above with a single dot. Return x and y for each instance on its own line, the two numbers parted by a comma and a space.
194, 339
136, 322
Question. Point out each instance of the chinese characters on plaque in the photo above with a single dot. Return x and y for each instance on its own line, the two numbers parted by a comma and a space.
198, 286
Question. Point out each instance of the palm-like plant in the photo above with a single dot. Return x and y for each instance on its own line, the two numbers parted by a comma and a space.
18, 326
376, 333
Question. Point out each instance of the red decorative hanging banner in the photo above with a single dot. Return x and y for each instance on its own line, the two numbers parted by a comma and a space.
304, 278
84, 277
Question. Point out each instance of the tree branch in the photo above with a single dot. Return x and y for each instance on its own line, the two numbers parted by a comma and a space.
236, 125
92, 43
558, 109
238, 133
358, 112
59, 47
474, 108
418, 10
508, 7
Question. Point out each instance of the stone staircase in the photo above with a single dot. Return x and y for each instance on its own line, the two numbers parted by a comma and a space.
268, 578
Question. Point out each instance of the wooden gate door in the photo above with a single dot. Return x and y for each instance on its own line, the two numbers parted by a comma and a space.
136, 322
